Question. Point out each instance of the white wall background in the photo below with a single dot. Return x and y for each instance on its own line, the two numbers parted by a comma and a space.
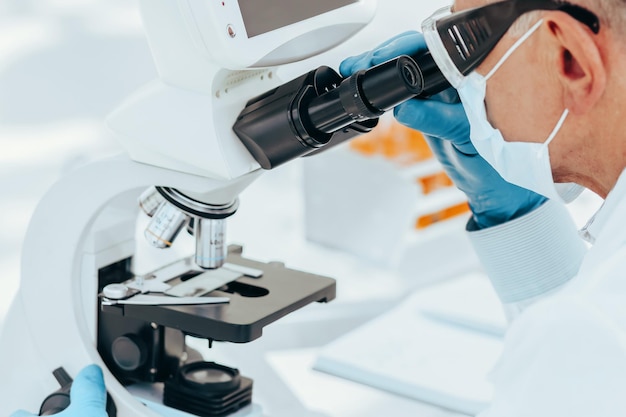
64, 64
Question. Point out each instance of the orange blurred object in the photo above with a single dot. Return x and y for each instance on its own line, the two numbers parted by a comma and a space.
429, 219
434, 182
367, 144
395, 142
404, 147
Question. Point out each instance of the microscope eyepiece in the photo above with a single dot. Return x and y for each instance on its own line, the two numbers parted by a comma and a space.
410, 77
366, 95
321, 109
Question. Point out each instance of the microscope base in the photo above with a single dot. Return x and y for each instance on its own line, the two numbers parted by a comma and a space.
151, 394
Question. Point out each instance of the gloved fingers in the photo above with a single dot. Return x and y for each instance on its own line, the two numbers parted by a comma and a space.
407, 43
469, 173
88, 389
361, 61
22, 413
449, 96
438, 119
454, 162
443, 151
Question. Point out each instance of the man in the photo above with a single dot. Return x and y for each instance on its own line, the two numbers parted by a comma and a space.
553, 88
544, 105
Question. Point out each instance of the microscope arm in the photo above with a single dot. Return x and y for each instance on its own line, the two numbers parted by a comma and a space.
52, 320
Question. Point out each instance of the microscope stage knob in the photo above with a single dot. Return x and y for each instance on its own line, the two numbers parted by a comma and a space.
115, 291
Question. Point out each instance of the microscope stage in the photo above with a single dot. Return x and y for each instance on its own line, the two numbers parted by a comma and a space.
254, 302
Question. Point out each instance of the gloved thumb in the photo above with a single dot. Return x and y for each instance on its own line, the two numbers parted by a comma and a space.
406, 43
88, 389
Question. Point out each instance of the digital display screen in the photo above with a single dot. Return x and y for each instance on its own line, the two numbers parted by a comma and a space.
261, 16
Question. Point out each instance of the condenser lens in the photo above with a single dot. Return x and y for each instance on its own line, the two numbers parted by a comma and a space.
208, 376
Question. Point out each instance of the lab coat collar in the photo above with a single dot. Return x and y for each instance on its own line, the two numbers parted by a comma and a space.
596, 224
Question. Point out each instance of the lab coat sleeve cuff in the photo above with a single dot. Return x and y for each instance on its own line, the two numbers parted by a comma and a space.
531, 255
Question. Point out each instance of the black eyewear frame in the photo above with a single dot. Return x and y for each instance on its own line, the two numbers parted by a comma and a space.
470, 35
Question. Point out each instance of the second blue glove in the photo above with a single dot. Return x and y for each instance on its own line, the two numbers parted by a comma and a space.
442, 119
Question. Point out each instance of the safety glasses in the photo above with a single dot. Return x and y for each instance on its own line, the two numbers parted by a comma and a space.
460, 41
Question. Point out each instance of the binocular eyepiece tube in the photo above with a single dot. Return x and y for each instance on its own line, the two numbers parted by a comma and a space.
366, 95
321, 109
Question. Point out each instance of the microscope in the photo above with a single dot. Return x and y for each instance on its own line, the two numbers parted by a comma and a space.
194, 140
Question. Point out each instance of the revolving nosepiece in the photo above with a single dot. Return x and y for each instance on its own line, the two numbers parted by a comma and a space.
207, 222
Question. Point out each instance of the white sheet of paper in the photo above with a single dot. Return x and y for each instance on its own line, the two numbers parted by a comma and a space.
435, 360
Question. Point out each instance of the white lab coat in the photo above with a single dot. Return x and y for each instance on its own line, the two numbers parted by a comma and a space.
566, 354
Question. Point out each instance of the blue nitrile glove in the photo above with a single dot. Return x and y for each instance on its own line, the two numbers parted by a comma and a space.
88, 396
442, 119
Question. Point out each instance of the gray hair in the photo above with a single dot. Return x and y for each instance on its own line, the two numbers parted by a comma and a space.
612, 14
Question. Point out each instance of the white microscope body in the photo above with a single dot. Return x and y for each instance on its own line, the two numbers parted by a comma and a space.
212, 56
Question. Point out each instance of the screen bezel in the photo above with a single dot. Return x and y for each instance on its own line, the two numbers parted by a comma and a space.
264, 20
218, 29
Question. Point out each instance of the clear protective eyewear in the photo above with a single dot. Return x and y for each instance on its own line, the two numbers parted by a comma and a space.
460, 41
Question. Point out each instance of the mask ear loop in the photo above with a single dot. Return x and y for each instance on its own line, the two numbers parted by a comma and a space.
513, 48
556, 129
502, 60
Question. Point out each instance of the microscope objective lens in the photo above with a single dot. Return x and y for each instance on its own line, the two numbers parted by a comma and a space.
165, 225
150, 200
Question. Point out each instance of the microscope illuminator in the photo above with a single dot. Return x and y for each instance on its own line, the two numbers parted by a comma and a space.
207, 389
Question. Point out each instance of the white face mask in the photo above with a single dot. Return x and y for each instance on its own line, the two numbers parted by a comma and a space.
525, 164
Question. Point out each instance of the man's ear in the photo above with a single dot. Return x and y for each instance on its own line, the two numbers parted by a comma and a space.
578, 60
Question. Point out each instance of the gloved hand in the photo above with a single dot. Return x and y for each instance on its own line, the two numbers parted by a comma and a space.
442, 119
88, 396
